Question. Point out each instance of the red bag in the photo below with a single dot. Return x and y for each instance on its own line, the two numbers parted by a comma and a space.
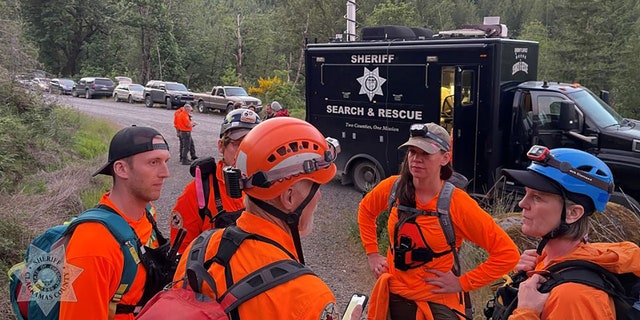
184, 303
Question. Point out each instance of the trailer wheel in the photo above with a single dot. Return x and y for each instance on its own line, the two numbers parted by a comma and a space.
626, 201
365, 175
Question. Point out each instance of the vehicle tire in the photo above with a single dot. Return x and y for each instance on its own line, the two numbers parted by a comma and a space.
115, 97
626, 201
87, 94
229, 108
130, 99
201, 107
365, 175
148, 102
168, 103
74, 93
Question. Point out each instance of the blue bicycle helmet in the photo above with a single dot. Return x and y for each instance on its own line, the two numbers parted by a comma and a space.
578, 172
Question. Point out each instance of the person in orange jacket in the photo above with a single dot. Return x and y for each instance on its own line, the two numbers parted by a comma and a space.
184, 125
176, 118
185, 214
563, 187
427, 288
282, 162
138, 164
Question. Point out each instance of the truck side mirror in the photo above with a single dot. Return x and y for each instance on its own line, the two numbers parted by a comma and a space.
568, 116
604, 96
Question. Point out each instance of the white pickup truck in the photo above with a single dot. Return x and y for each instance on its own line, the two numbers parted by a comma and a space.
223, 98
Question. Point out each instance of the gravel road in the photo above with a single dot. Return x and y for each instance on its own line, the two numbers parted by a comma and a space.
332, 250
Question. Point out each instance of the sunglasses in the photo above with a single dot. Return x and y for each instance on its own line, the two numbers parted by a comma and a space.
422, 131
542, 155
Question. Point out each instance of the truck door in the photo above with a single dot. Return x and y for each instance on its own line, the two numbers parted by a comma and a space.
465, 119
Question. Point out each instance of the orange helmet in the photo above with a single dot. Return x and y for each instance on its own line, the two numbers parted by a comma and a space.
279, 152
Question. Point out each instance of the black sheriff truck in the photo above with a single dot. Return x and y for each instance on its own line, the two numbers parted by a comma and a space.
482, 88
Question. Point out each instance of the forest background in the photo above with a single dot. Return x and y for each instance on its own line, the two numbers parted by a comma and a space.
259, 44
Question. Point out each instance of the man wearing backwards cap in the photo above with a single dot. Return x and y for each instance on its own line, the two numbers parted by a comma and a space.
563, 187
420, 285
138, 165
221, 209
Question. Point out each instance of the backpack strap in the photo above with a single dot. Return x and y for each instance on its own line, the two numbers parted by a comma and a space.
593, 275
124, 235
442, 207
232, 238
196, 272
204, 212
261, 280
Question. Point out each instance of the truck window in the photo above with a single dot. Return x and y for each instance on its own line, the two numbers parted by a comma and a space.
467, 87
548, 112
447, 82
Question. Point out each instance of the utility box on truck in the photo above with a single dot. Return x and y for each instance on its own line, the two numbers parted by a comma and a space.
480, 88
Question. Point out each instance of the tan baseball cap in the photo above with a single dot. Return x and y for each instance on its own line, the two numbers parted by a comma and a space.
429, 137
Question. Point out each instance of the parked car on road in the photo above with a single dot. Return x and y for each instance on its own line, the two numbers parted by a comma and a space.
61, 86
131, 92
92, 87
41, 84
123, 80
224, 97
171, 94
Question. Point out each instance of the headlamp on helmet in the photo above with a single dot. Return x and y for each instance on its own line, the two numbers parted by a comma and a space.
235, 182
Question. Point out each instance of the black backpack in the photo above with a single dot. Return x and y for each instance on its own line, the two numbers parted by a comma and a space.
207, 167
623, 288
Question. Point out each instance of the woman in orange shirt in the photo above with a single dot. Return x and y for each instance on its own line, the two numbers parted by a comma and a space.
563, 187
422, 285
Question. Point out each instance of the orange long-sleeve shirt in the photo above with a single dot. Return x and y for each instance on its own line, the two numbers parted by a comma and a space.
93, 249
182, 121
574, 301
304, 298
176, 116
470, 223
185, 212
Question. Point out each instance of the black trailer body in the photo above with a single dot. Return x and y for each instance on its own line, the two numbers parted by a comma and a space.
367, 94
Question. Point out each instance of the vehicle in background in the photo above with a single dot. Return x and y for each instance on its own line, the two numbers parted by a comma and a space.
41, 84
130, 92
474, 82
223, 98
123, 80
61, 86
171, 94
90, 87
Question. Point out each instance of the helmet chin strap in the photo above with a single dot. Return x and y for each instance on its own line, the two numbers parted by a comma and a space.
291, 219
559, 230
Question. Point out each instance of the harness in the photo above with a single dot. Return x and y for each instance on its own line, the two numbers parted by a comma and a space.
409, 253
219, 220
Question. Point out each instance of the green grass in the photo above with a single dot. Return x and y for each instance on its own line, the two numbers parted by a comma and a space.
42, 148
